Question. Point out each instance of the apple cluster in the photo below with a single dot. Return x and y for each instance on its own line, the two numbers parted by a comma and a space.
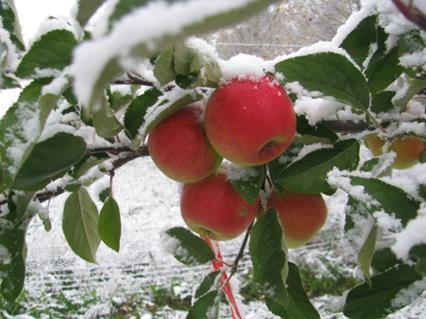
248, 122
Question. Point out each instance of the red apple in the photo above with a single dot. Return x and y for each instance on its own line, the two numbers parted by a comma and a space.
408, 149
178, 146
301, 215
250, 122
213, 208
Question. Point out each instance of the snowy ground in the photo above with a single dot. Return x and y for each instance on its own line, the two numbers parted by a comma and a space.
149, 202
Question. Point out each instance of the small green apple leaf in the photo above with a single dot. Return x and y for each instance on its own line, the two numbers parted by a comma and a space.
207, 284
134, 117
186, 247
366, 253
391, 198
269, 257
164, 108
48, 160
390, 291
12, 242
308, 175
109, 224
319, 133
206, 307
86, 9
150, 44
299, 306
382, 102
104, 194
80, 225
87, 163
418, 253
52, 51
124, 7
105, 122
384, 259
312, 71
119, 99
248, 182
164, 67
358, 42
21, 126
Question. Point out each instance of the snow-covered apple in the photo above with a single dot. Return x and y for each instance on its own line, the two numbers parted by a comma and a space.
213, 208
250, 122
178, 146
408, 149
301, 215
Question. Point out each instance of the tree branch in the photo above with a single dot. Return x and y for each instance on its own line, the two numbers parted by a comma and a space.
412, 13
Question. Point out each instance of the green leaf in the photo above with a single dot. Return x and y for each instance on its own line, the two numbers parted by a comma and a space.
124, 7
391, 198
49, 160
313, 71
299, 306
20, 127
382, 102
104, 194
10, 22
13, 247
163, 70
320, 132
250, 183
188, 248
87, 163
109, 224
86, 9
206, 307
151, 45
168, 108
80, 225
52, 51
105, 122
134, 117
418, 252
308, 175
206, 285
269, 257
358, 41
366, 253
377, 302
384, 259
414, 86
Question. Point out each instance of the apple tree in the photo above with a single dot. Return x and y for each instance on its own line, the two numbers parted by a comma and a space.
125, 79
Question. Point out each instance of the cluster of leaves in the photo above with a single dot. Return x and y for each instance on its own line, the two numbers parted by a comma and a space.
37, 165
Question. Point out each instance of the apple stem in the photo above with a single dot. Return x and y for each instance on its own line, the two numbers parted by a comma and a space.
217, 265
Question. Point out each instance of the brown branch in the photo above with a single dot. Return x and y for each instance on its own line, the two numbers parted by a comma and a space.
412, 13
239, 255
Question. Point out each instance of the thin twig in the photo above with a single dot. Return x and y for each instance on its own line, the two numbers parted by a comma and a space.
412, 13
239, 255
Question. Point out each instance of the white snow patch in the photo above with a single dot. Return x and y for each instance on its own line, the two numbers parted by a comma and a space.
408, 295
413, 234
415, 59
243, 66
5, 255
316, 109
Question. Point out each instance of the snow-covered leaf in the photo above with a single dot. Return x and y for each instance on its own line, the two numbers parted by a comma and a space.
134, 117
109, 225
389, 292
86, 8
12, 244
269, 257
10, 22
80, 225
299, 306
366, 253
248, 185
85, 164
384, 259
206, 307
49, 160
308, 175
358, 41
105, 122
186, 247
418, 252
52, 50
347, 83
391, 198
163, 70
20, 128
206, 285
